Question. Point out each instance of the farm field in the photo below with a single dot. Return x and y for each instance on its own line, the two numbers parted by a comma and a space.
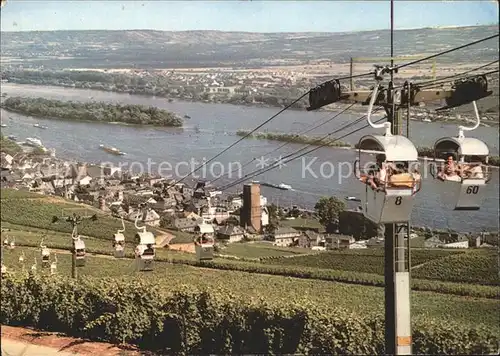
364, 260
470, 266
476, 266
362, 300
260, 250
352, 266
342, 286
36, 211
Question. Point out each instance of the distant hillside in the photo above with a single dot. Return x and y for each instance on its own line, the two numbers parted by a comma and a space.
147, 48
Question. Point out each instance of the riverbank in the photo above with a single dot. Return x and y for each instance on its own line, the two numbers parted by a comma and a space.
426, 153
153, 88
92, 111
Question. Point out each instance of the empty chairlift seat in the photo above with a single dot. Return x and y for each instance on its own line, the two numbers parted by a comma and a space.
145, 250
79, 246
45, 256
204, 247
119, 245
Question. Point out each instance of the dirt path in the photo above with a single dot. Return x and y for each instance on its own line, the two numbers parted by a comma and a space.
18, 341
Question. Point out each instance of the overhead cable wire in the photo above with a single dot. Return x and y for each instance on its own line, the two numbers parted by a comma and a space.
458, 74
446, 52
319, 140
290, 158
442, 82
287, 143
241, 139
258, 127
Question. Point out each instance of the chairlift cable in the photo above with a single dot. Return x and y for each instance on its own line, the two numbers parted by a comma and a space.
308, 145
260, 171
445, 52
431, 85
458, 74
259, 126
287, 143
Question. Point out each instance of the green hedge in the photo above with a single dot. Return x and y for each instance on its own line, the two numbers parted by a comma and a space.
213, 321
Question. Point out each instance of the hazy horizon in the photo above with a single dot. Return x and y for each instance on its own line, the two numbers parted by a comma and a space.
243, 16
235, 31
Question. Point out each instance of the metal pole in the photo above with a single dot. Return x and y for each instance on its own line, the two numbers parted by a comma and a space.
408, 111
396, 273
74, 273
350, 73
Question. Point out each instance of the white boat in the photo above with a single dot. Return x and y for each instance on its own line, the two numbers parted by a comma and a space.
352, 199
281, 186
35, 142
426, 120
112, 150
3, 125
39, 126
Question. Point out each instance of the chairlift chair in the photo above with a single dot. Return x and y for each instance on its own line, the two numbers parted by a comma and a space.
53, 266
204, 248
79, 247
119, 245
4, 270
392, 201
468, 187
119, 242
145, 250
45, 254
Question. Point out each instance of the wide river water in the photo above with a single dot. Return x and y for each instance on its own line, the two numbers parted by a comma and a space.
212, 127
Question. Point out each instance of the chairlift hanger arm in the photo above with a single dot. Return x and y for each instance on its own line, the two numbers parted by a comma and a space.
461, 92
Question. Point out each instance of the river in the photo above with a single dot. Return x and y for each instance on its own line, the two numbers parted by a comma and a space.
212, 128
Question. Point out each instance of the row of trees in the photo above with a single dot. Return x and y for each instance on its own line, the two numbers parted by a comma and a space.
153, 84
92, 111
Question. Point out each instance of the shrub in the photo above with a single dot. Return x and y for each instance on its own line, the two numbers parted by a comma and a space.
213, 320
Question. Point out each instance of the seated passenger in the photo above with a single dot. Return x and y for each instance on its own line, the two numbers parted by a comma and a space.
380, 177
417, 178
400, 176
450, 171
369, 178
474, 169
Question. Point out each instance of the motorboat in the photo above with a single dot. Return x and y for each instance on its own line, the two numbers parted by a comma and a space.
352, 199
12, 138
281, 186
112, 150
3, 125
35, 142
38, 126
284, 186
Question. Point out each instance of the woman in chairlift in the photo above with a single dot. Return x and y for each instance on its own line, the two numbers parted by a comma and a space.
451, 170
473, 169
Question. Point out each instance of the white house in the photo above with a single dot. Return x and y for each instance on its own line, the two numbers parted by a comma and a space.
84, 180
231, 233
459, 244
285, 236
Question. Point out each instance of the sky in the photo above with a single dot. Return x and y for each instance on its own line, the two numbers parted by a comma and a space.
239, 15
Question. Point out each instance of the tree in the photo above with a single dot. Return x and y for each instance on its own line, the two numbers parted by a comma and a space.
328, 209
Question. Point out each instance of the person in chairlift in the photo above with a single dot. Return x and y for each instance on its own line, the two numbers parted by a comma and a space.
451, 169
